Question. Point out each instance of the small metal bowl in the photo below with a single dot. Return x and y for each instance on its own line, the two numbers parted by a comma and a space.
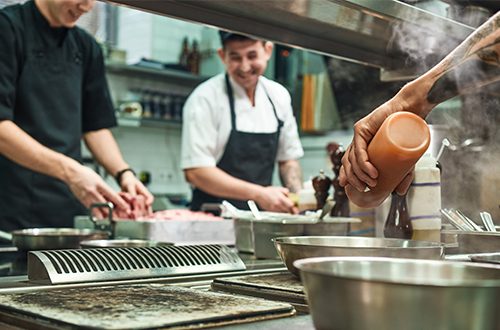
393, 294
118, 243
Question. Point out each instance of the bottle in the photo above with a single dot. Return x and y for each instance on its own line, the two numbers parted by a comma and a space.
398, 223
321, 184
194, 59
341, 207
146, 102
183, 57
398, 144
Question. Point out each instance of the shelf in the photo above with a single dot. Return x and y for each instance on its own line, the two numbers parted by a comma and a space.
179, 77
148, 122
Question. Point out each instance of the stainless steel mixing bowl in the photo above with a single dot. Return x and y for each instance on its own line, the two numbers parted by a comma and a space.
393, 294
300, 247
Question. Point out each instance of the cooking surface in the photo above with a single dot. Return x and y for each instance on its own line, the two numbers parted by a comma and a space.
282, 281
283, 287
138, 306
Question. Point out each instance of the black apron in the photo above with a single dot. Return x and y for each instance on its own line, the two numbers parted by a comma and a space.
247, 156
48, 107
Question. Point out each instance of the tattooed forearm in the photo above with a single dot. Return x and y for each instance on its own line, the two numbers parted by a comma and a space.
291, 175
474, 64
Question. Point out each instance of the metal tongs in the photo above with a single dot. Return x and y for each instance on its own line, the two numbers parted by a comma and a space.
460, 220
488, 221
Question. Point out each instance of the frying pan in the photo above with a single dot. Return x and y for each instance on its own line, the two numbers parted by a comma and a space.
116, 243
51, 238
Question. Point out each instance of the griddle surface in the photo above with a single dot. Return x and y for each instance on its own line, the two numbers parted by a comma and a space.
138, 306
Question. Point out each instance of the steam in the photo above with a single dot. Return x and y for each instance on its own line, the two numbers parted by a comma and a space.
470, 176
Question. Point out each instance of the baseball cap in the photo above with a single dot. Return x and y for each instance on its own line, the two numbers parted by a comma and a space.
226, 35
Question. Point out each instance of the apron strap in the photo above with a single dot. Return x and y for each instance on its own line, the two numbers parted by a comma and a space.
230, 95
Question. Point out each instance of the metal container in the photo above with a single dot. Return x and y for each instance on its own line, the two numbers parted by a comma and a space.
114, 243
472, 241
52, 238
291, 249
392, 294
255, 236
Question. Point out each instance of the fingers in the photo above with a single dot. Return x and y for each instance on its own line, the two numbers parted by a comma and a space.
404, 185
113, 197
276, 199
141, 190
135, 187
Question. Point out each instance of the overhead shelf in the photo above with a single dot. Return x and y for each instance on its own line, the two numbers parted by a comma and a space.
148, 122
357, 30
177, 76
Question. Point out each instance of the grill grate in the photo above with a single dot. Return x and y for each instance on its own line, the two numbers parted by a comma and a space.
86, 265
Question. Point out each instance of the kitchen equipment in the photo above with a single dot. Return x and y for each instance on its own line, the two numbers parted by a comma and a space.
254, 236
143, 306
83, 265
392, 294
281, 286
487, 221
115, 243
255, 210
490, 258
291, 249
182, 231
472, 241
51, 238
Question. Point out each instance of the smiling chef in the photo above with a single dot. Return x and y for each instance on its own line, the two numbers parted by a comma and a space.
236, 126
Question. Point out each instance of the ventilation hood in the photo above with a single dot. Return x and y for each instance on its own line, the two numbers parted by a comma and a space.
364, 31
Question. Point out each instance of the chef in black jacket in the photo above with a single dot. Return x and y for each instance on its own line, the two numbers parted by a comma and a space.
53, 93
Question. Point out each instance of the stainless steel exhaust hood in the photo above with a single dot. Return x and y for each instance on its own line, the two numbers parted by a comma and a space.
357, 30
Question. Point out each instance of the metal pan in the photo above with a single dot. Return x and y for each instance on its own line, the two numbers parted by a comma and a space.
301, 247
493, 258
51, 238
115, 243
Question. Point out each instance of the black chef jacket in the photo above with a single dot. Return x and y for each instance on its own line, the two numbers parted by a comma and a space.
53, 86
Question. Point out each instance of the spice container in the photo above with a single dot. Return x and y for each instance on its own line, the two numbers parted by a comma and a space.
398, 144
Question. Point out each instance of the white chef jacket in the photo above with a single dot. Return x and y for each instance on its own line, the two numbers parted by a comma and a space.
207, 120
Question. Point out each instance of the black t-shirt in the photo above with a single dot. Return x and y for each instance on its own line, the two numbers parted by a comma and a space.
53, 86
97, 108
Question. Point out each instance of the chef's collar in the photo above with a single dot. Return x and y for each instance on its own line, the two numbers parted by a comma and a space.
239, 91
55, 35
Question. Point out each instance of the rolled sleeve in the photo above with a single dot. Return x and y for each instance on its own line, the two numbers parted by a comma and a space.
8, 69
199, 132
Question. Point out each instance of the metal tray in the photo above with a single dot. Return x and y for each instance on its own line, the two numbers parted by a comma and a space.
473, 241
291, 249
493, 258
174, 231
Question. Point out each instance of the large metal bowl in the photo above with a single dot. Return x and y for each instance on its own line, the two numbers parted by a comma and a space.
301, 247
393, 294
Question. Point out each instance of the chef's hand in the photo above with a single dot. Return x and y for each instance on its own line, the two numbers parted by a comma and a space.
130, 184
356, 168
276, 199
90, 188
